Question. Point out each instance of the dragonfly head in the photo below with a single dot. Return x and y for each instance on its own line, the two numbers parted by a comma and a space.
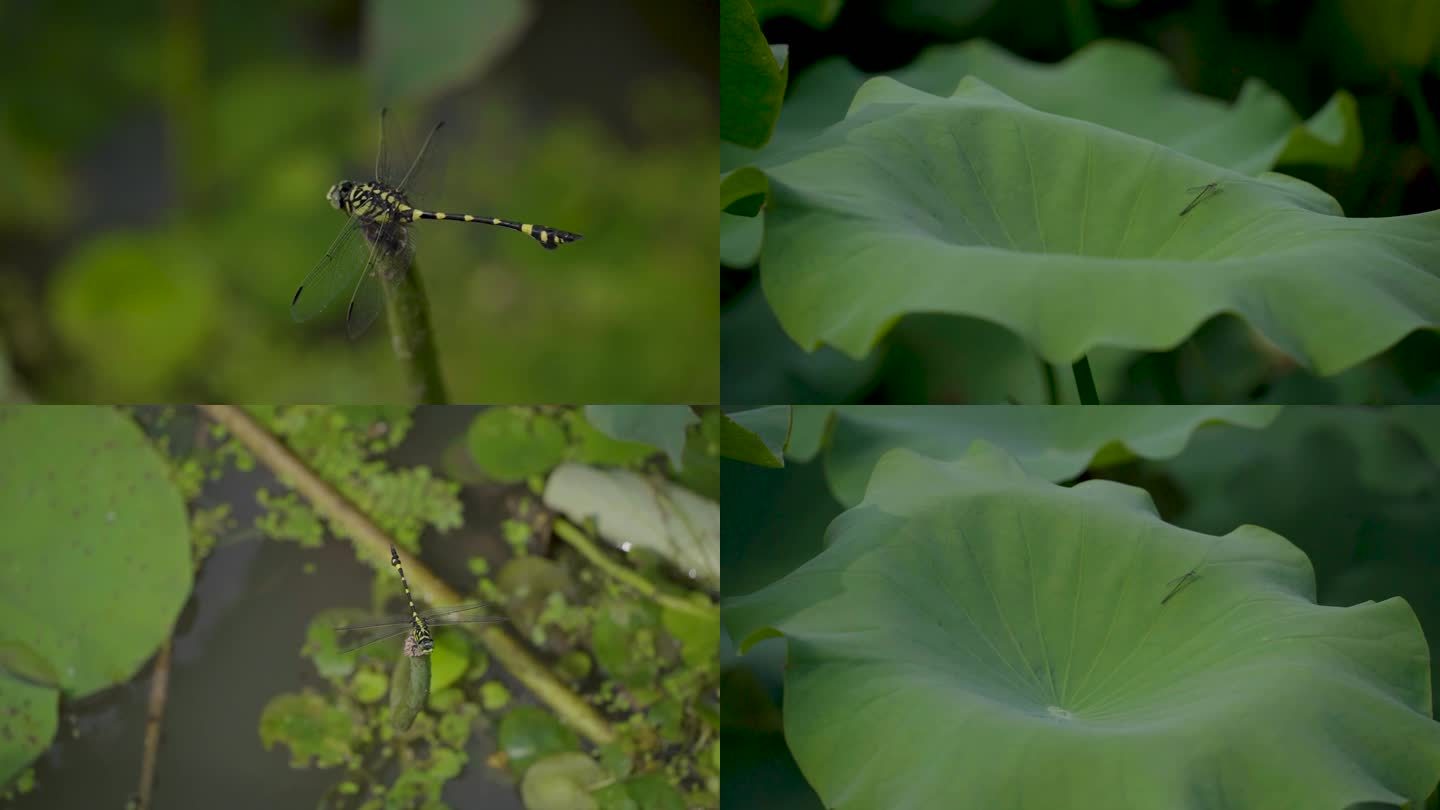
339, 194
426, 645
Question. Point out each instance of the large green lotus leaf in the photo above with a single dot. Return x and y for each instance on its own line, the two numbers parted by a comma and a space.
1116, 84
1052, 443
97, 552
1069, 234
980, 629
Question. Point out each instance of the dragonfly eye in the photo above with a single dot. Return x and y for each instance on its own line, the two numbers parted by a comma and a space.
335, 193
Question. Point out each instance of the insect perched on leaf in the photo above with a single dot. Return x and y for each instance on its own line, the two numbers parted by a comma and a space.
1178, 583
381, 211
1201, 192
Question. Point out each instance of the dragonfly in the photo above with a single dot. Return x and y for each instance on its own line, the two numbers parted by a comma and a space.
416, 623
379, 215
1201, 193
1178, 583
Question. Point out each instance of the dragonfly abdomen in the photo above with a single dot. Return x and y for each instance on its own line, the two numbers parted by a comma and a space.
549, 238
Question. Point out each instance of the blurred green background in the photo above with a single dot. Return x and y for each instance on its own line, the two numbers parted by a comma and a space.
167, 163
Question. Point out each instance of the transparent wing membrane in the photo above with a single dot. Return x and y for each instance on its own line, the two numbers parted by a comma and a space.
333, 274
354, 636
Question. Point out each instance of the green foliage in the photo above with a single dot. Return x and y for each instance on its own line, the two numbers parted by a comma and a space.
317, 733
1283, 266
528, 734
99, 530
663, 427
1009, 247
757, 436
944, 557
1353, 488
590, 445
562, 782
664, 736
29, 716
511, 444
340, 445
1057, 447
494, 696
752, 76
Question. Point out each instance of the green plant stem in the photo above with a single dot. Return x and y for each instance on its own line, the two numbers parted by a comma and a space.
410, 333
1080, 23
375, 544
1429, 139
1085, 382
581, 542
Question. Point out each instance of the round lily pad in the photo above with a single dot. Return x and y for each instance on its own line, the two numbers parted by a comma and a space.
996, 640
97, 565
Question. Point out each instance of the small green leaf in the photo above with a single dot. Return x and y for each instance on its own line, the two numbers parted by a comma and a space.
494, 696
699, 636
452, 656
561, 782
660, 426
316, 732
368, 686
29, 716
511, 444
757, 436
529, 732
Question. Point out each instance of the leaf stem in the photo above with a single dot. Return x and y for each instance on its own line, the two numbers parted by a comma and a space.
1080, 23
582, 543
1085, 381
1429, 139
410, 335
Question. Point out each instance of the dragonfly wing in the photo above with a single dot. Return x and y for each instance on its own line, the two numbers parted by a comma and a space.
351, 643
334, 272
484, 620
366, 301
1177, 580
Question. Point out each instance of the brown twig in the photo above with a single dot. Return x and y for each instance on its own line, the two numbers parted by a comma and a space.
154, 715
375, 544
